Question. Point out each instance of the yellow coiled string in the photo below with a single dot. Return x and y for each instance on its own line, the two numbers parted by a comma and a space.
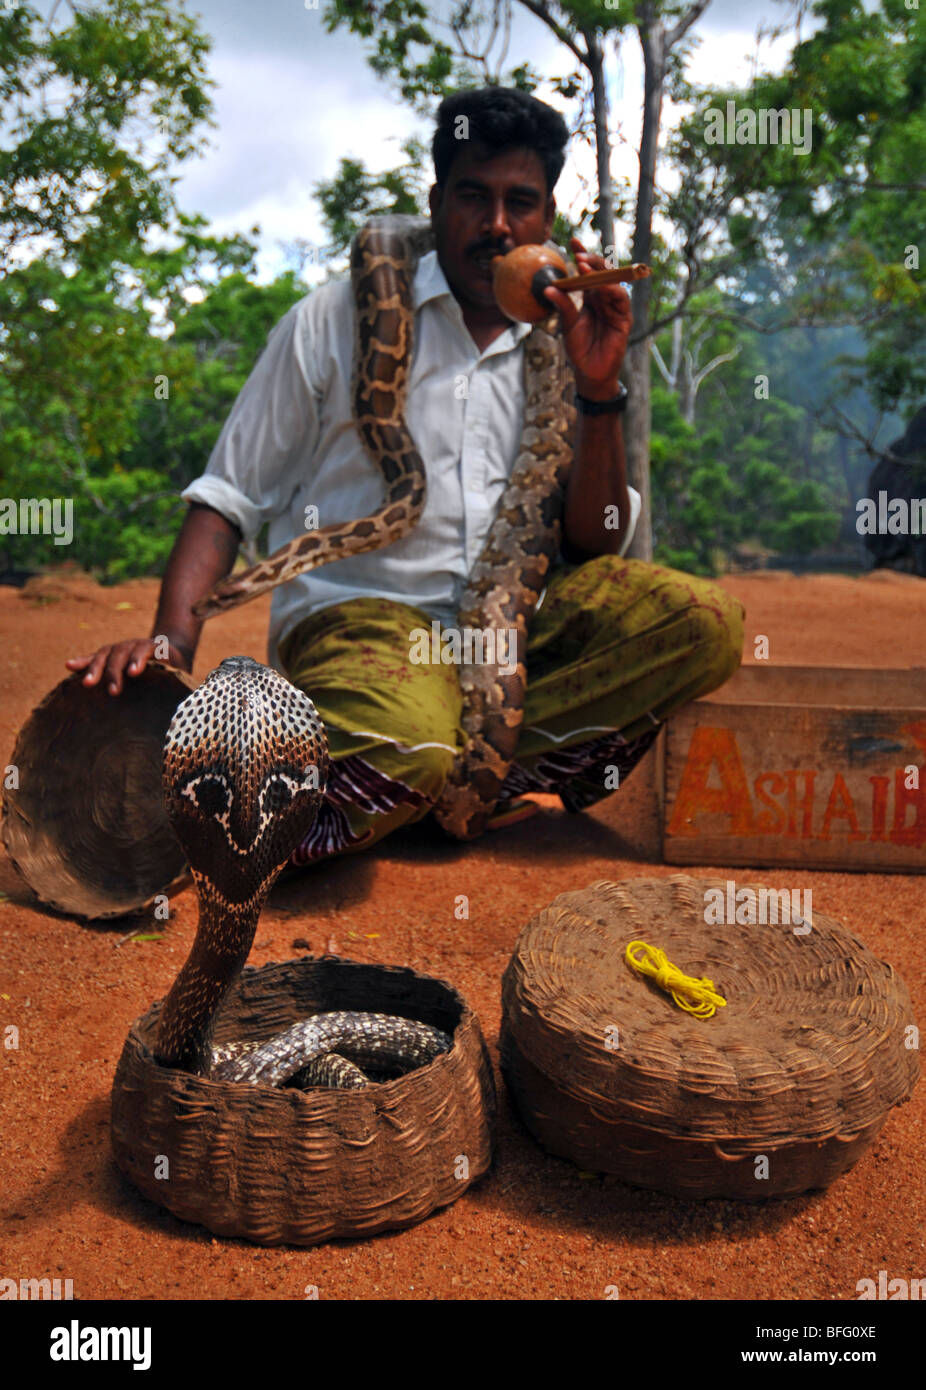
698, 997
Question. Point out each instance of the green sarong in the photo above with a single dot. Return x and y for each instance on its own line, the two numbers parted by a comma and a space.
616, 647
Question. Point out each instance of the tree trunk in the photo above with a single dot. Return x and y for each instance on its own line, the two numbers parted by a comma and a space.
657, 43
687, 391
637, 418
603, 220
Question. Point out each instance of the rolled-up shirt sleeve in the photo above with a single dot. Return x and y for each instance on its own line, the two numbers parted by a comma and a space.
249, 477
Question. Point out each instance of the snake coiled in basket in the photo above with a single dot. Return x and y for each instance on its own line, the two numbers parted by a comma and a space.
245, 762
323, 1152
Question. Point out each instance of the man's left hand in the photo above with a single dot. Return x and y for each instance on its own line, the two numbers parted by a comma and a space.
595, 335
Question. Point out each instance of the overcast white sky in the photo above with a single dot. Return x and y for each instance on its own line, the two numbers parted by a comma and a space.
292, 100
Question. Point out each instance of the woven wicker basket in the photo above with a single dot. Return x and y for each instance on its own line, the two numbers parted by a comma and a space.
86, 827
297, 1167
800, 1069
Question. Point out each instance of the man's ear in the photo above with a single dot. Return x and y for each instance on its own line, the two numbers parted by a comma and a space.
435, 197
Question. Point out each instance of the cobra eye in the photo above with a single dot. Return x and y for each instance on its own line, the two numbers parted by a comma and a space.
276, 796
210, 795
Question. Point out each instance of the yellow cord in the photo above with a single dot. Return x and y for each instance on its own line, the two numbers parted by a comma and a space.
703, 999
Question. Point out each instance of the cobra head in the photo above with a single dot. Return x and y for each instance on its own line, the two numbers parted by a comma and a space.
245, 767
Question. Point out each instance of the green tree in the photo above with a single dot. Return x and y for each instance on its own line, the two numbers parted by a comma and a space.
354, 194
78, 170
217, 338
734, 480
834, 235
99, 104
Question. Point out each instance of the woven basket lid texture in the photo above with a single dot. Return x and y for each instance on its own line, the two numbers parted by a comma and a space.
812, 1043
86, 826
274, 1165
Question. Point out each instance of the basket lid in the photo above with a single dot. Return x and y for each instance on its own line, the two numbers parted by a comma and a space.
809, 1045
86, 826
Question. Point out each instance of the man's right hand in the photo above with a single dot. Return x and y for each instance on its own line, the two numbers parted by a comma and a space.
203, 554
120, 659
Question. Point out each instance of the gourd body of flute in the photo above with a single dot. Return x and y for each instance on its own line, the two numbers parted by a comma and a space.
520, 278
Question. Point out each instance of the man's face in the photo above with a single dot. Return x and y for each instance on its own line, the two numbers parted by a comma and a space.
486, 208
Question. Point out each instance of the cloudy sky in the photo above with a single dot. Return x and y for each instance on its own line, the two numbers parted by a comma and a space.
292, 100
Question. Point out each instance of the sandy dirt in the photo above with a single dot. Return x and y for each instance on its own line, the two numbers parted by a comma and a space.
535, 1227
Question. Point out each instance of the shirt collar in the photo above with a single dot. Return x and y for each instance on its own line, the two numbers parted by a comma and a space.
431, 283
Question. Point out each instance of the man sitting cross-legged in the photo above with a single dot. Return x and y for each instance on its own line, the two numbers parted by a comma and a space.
616, 645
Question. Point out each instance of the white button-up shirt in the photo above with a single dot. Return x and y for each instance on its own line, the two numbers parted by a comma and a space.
290, 444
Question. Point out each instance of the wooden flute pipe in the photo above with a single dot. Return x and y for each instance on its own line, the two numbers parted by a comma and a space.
520, 278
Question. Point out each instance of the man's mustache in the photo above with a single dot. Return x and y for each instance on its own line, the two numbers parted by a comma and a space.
488, 249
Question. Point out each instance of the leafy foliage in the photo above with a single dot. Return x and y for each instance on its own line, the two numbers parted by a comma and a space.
87, 304
832, 235
127, 331
354, 195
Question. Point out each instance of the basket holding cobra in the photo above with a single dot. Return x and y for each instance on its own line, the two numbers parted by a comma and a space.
397, 1115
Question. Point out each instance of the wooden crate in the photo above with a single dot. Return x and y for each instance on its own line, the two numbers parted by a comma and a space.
819, 767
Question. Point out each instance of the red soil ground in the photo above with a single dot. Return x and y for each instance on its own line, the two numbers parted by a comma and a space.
535, 1227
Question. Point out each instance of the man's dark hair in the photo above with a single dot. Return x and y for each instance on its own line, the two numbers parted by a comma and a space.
500, 118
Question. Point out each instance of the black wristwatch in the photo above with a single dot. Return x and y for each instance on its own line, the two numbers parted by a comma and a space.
614, 406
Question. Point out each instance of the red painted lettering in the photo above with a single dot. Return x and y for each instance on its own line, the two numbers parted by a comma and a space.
774, 823
805, 805
710, 747
879, 786
904, 796
840, 807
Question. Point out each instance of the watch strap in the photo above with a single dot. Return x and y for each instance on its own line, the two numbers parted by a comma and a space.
614, 406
